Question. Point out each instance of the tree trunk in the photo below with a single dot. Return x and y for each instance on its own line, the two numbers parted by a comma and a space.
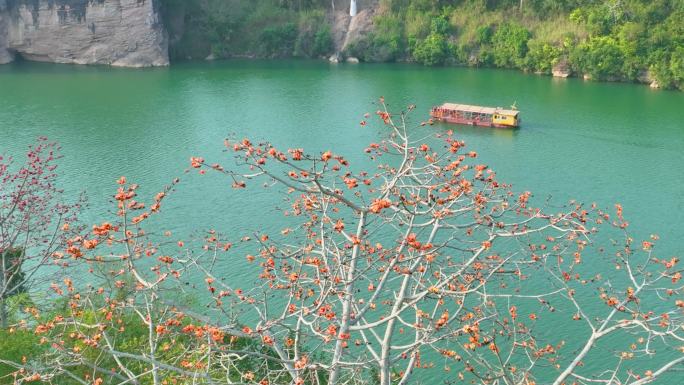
3, 314
3, 289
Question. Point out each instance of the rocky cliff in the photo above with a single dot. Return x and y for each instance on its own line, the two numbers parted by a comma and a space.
125, 33
347, 29
5, 55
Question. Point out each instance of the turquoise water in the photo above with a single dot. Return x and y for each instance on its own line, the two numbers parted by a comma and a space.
596, 142
591, 141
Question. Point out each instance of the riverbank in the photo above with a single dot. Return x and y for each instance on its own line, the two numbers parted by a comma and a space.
638, 41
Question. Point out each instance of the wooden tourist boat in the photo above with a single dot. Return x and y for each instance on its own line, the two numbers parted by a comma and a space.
476, 115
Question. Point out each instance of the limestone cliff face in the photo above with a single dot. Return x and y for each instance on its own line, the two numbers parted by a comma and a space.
5, 55
126, 33
347, 29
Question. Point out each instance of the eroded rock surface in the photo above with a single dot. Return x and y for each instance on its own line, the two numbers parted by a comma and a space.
347, 29
5, 54
126, 33
561, 69
359, 26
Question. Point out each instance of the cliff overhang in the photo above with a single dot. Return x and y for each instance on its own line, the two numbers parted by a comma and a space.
125, 33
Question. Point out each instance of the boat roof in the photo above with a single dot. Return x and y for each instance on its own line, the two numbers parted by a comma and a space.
479, 109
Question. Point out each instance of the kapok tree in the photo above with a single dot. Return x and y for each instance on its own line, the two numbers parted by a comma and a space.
35, 222
423, 262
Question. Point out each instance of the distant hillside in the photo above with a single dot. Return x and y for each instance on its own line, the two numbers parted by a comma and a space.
616, 40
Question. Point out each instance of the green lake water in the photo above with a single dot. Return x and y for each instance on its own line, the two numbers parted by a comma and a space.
596, 142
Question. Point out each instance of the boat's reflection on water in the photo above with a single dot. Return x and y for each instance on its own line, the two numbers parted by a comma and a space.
471, 131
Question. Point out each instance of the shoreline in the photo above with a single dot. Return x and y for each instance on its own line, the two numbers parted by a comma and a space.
255, 58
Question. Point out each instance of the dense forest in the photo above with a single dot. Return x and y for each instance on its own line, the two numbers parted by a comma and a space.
617, 40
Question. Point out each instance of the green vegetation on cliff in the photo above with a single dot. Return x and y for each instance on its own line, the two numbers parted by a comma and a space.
629, 40
625, 40
256, 28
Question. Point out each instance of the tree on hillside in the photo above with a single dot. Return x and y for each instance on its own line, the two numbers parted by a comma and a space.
12, 278
425, 262
34, 222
